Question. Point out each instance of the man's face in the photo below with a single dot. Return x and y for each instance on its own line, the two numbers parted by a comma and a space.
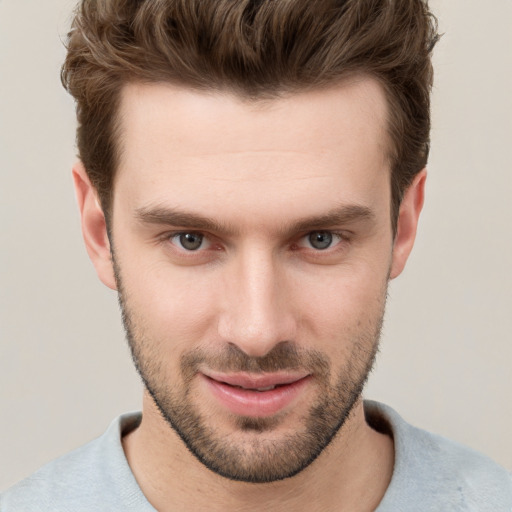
253, 247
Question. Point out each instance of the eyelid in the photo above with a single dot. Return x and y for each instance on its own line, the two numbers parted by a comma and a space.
339, 235
343, 237
206, 242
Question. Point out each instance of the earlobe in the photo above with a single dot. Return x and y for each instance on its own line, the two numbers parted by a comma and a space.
407, 224
94, 228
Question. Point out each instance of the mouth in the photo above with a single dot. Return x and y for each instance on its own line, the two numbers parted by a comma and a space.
256, 395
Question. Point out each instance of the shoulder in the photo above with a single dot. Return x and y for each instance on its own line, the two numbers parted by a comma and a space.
436, 474
95, 476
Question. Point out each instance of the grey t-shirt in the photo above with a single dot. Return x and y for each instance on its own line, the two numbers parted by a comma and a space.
431, 474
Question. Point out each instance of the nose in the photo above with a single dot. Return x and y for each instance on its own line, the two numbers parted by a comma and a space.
257, 313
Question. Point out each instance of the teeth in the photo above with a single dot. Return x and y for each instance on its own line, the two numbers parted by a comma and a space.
268, 388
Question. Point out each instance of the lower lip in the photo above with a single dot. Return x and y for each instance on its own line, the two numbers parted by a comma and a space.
256, 404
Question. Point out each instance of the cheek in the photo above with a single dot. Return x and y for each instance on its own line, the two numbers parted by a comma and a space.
172, 307
343, 305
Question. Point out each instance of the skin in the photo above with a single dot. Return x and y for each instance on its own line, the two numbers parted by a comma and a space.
265, 171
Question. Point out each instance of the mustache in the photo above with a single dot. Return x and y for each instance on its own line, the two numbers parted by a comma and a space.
284, 356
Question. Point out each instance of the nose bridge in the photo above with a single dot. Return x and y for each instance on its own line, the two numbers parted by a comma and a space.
256, 316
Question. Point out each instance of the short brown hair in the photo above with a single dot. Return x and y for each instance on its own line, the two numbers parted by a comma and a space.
254, 48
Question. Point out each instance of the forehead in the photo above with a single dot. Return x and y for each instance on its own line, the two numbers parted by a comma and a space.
357, 105
188, 147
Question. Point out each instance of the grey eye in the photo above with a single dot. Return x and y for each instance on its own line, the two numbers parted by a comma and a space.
320, 239
190, 241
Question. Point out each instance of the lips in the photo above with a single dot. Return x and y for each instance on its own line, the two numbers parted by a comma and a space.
256, 395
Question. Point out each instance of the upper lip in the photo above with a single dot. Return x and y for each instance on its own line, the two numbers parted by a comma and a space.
256, 381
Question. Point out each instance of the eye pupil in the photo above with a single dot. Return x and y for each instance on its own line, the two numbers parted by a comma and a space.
191, 241
320, 239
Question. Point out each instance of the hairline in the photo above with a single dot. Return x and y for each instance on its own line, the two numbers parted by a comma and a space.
266, 96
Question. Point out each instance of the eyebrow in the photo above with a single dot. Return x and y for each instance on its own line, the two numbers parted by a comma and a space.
161, 215
346, 214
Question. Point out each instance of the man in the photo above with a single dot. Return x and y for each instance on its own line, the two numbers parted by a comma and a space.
251, 177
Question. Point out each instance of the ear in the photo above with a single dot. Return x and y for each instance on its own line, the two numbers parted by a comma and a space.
94, 227
408, 217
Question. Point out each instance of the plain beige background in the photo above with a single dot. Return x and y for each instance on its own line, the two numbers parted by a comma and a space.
65, 371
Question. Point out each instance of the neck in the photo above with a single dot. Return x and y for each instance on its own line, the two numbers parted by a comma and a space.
352, 473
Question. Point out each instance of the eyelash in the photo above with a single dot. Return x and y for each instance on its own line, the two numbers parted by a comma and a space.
342, 239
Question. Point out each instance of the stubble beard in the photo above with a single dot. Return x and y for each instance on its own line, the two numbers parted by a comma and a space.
263, 459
